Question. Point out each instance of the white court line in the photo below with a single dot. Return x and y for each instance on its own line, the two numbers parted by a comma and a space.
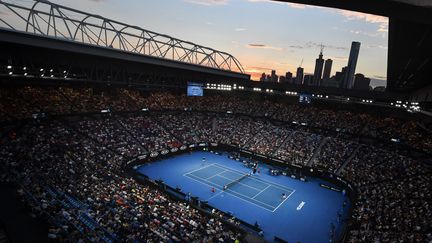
269, 183
217, 194
218, 174
199, 169
284, 200
260, 180
234, 192
262, 191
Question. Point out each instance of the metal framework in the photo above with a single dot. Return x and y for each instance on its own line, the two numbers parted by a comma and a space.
57, 21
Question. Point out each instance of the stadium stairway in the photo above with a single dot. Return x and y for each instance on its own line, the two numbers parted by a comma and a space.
118, 121
348, 160
252, 137
287, 138
317, 151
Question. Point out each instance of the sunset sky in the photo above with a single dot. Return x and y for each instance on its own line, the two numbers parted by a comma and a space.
263, 35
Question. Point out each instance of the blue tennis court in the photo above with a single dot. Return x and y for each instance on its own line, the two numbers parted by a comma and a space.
306, 213
249, 188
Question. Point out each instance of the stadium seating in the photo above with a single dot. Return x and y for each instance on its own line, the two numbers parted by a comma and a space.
69, 164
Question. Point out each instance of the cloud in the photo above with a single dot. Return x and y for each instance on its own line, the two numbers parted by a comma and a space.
351, 15
370, 18
258, 69
291, 5
311, 44
208, 2
296, 46
383, 27
240, 29
262, 46
378, 46
359, 32
297, 5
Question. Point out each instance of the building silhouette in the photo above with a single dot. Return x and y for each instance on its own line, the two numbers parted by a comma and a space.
263, 77
327, 69
288, 77
361, 82
340, 77
308, 80
281, 79
319, 63
299, 75
352, 63
274, 77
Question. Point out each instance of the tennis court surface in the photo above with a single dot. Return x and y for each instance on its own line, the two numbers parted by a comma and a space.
249, 188
305, 214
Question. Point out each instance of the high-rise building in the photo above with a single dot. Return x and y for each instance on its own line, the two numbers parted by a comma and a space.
352, 63
319, 63
327, 69
299, 75
274, 77
361, 82
288, 77
340, 76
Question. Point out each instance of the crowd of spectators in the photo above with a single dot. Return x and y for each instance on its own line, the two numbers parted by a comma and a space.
393, 197
74, 174
299, 147
70, 166
23, 102
334, 153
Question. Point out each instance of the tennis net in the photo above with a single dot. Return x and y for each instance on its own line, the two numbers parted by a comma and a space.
235, 181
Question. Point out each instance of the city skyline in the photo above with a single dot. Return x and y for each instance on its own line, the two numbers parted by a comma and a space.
262, 35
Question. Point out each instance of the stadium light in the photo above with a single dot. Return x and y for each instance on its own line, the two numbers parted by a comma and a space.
9, 67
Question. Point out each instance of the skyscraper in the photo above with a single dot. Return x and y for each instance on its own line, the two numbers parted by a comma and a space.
327, 69
319, 63
274, 77
299, 75
352, 63
340, 77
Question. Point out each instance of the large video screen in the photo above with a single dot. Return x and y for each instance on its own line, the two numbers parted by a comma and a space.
194, 89
305, 98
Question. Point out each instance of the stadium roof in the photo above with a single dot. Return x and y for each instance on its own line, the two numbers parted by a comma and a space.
410, 38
